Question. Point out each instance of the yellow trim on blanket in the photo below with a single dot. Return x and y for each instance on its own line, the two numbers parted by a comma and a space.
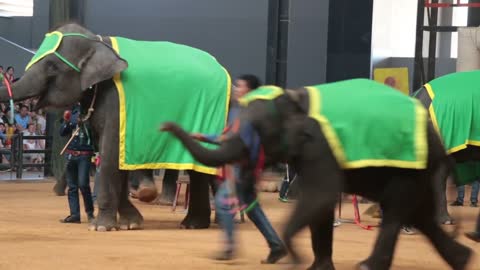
463, 146
327, 129
173, 166
431, 111
60, 34
121, 96
421, 144
229, 88
339, 153
277, 91
123, 125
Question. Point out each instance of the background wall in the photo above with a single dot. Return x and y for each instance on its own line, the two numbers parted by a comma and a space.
235, 32
26, 32
307, 46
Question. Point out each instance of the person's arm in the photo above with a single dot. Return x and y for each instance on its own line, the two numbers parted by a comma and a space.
67, 127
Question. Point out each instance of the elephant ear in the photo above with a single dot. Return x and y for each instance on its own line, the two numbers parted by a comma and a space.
99, 64
293, 95
298, 98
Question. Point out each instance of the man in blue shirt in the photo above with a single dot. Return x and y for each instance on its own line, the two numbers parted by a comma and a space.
78, 154
22, 119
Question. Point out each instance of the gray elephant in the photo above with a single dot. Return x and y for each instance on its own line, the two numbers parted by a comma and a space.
127, 88
452, 102
388, 154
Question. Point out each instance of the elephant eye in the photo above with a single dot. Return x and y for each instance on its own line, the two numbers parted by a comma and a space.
52, 67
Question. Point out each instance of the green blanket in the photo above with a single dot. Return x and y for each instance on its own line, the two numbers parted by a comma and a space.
367, 124
455, 113
167, 82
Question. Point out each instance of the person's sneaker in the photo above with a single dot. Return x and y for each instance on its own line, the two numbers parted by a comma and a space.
407, 230
336, 223
70, 219
225, 255
474, 204
456, 203
474, 236
275, 256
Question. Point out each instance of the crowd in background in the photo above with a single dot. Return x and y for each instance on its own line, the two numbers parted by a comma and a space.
25, 121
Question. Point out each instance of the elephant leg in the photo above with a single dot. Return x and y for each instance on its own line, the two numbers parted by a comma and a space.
169, 186
60, 185
382, 255
147, 191
130, 217
401, 195
198, 216
319, 186
454, 253
108, 198
443, 217
322, 234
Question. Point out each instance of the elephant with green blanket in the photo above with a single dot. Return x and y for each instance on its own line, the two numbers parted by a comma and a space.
126, 88
453, 103
388, 153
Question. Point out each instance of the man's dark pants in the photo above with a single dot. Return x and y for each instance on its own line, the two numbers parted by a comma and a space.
78, 177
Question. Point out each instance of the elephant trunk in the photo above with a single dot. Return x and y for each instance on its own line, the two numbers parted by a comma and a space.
229, 151
30, 85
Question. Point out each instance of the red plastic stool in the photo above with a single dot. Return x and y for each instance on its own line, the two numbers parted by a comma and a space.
177, 193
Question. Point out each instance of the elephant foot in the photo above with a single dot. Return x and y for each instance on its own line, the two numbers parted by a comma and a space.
447, 221
104, 222
195, 222
147, 192
59, 189
461, 259
368, 265
130, 219
163, 201
326, 265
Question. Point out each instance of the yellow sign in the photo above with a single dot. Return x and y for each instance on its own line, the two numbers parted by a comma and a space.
395, 77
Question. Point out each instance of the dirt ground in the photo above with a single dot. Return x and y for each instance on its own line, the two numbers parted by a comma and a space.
31, 237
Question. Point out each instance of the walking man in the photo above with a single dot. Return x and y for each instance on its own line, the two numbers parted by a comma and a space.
78, 155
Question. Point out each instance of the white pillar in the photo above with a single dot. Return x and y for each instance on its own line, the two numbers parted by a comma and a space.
468, 48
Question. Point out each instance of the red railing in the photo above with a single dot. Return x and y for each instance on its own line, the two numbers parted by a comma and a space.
458, 3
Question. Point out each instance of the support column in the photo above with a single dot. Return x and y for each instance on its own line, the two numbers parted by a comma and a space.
277, 42
419, 70
474, 15
349, 39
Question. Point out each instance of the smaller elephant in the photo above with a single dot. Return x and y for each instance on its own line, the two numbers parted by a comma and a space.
320, 130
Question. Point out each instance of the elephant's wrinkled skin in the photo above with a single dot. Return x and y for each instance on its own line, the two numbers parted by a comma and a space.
58, 85
406, 196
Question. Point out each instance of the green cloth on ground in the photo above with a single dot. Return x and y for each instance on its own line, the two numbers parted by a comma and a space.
165, 81
369, 124
455, 112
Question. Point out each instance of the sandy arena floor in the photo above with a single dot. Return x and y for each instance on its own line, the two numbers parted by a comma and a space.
32, 238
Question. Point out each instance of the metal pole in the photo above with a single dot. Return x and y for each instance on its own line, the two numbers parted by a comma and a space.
432, 45
473, 14
272, 42
282, 53
418, 70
